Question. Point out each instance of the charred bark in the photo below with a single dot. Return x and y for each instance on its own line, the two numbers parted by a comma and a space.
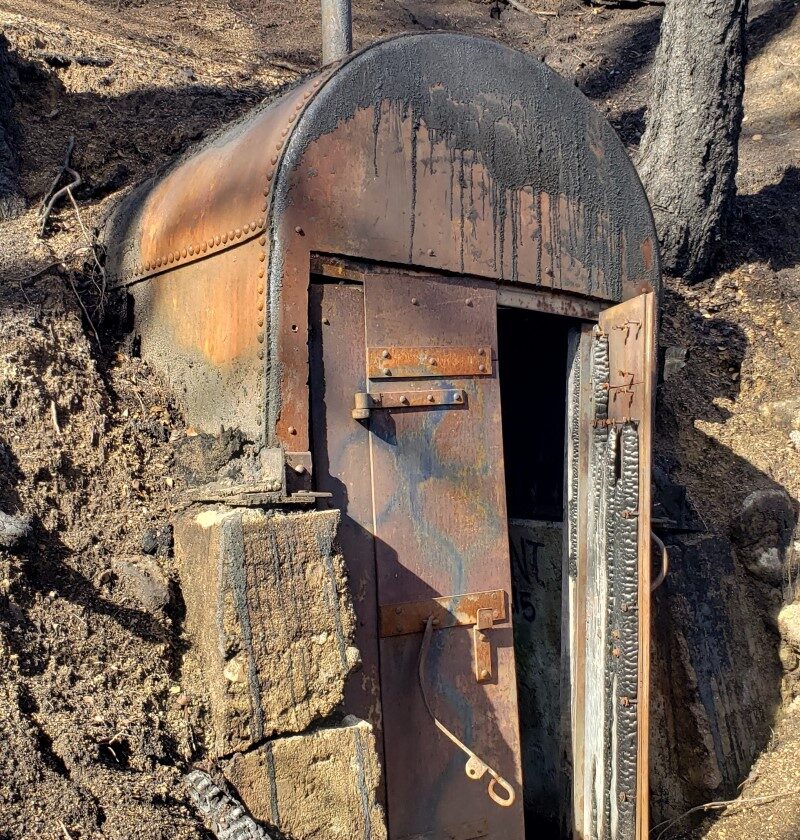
11, 200
688, 155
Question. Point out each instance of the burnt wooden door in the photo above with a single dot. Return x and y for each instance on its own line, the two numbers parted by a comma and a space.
608, 569
422, 472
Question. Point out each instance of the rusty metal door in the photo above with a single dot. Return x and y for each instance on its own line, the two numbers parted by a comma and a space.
612, 573
428, 393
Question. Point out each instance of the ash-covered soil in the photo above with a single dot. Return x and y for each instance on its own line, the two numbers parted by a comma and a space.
98, 723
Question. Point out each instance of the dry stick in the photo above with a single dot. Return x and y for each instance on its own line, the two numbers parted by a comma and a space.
90, 243
54, 417
715, 806
91, 323
52, 197
520, 8
67, 156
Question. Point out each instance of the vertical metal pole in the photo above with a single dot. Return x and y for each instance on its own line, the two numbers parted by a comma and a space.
337, 30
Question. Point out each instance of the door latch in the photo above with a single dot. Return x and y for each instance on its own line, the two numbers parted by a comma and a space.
498, 789
435, 398
482, 645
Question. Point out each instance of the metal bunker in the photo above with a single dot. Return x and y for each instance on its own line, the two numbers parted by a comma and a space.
425, 279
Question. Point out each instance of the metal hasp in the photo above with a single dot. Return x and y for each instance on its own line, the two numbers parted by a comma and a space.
450, 611
390, 204
337, 29
441, 398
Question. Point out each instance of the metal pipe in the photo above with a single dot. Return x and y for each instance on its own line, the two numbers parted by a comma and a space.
337, 30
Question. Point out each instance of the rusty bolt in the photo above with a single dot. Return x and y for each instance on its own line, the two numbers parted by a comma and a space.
299, 230
398, 610
485, 674
278, 146
273, 160
326, 321
299, 469
260, 322
481, 351
262, 240
262, 256
495, 613
403, 400
260, 337
386, 370
414, 301
292, 430
468, 301
284, 132
431, 360
458, 398
224, 237
217, 239
261, 288
430, 398
385, 354
232, 234
482, 368
431, 252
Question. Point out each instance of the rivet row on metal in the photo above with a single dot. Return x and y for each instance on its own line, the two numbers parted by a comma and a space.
274, 158
219, 241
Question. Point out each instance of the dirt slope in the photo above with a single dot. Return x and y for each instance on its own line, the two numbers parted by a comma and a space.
96, 725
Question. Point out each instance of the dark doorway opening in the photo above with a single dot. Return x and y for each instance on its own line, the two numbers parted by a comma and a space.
532, 351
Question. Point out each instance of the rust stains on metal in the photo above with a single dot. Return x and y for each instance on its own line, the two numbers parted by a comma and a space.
516, 181
416, 362
450, 611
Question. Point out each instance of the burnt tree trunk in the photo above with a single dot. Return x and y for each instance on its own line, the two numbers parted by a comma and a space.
688, 155
11, 200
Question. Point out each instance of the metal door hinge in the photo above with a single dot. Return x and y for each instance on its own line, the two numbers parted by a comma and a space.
440, 398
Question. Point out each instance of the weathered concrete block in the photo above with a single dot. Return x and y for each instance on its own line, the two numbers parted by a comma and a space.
269, 619
319, 786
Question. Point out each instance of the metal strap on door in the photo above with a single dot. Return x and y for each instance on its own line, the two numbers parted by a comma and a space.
479, 609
